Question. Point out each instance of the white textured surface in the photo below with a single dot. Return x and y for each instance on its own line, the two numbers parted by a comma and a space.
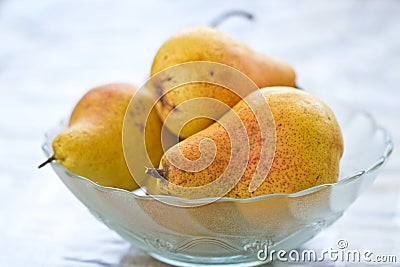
51, 52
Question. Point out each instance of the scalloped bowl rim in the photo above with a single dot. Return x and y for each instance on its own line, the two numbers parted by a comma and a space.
376, 165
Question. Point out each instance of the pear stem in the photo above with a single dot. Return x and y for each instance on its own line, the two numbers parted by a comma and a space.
156, 173
47, 161
219, 19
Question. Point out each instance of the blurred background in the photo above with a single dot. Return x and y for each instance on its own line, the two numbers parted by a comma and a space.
52, 52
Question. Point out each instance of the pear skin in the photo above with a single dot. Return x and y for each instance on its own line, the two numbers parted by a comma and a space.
309, 147
91, 145
209, 44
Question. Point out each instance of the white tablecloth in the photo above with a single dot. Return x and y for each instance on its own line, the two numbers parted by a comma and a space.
51, 52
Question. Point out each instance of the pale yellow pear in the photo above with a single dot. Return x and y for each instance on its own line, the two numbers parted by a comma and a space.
209, 44
91, 146
309, 147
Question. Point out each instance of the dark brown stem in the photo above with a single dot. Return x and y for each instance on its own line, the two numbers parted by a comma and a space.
157, 173
47, 161
219, 19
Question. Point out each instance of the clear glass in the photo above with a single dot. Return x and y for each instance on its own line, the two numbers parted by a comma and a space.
231, 231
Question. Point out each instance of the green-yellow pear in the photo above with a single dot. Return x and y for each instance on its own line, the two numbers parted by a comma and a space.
91, 146
209, 44
308, 149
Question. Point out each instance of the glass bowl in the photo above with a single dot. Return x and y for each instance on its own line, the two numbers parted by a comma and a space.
233, 231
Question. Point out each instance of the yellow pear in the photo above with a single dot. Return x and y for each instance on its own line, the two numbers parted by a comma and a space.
308, 148
209, 44
91, 146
